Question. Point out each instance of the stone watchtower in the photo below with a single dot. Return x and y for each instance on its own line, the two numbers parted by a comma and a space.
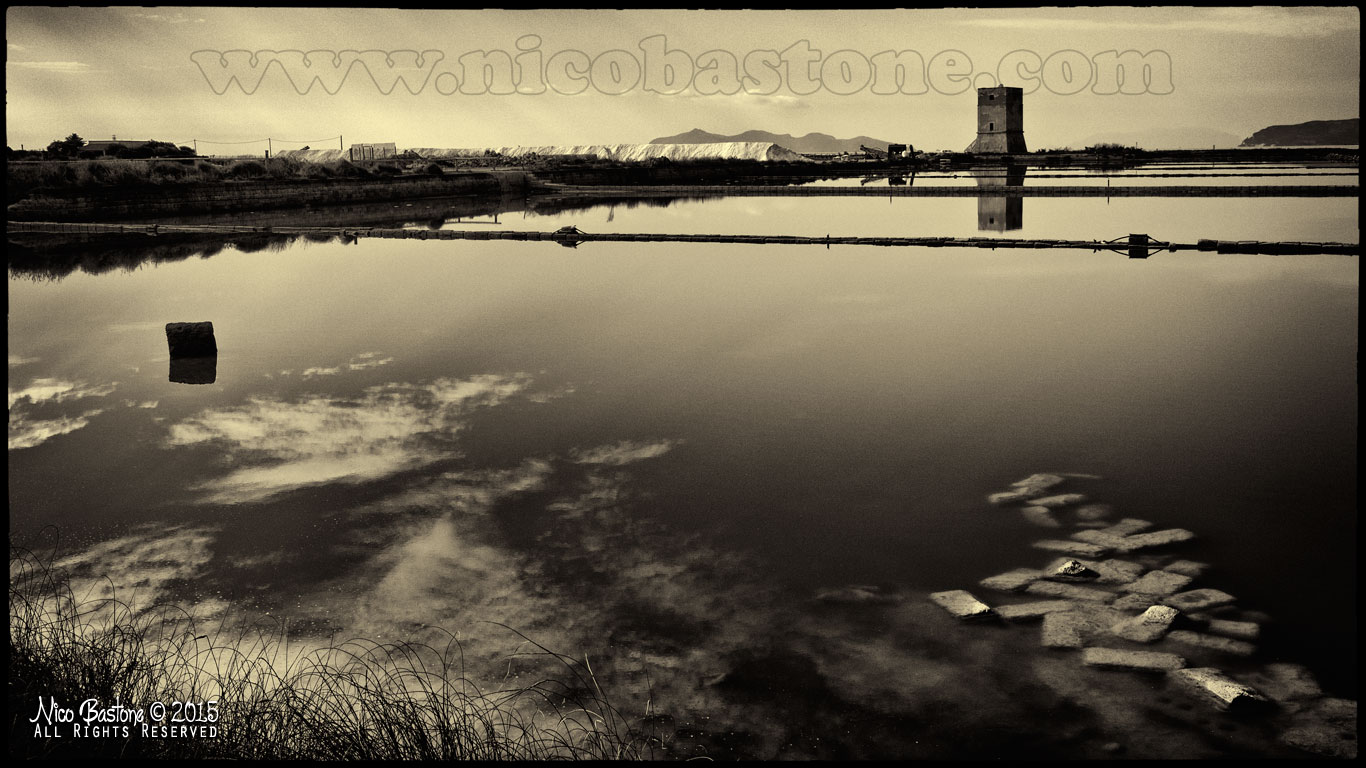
1000, 121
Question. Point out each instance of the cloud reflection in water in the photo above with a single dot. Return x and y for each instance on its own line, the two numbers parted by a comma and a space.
323, 438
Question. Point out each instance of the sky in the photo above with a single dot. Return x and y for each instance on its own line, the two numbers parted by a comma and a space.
1213, 76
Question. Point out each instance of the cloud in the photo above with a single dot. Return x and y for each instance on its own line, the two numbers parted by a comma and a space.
57, 390
139, 568
623, 452
277, 446
311, 372
27, 433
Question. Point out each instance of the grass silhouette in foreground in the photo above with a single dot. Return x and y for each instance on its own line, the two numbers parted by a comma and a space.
355, 700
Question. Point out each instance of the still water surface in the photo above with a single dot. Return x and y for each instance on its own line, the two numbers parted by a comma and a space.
656, 454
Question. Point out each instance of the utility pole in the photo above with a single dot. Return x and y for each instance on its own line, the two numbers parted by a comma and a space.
268, 147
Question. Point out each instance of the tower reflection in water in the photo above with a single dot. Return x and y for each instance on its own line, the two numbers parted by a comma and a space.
1000, 213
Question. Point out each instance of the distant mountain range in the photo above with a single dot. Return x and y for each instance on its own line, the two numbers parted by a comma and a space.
1312, 133
811, 143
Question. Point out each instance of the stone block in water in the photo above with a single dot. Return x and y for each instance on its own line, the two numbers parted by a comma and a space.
1062, 629
1136, 661
1287, 682
1134, 602
1127, 526
962, 604
1060, 500
1212, 642
1040, 481
1240, 630
1158, 583
1147, 627
1035, 610
191, 339
1216, 687
194, 370
1199, 600
1075, 548
1093, 512
1069, 569
1012, 581
1040, 516
1069, 592
1189, 568
1158, 538
1328, 728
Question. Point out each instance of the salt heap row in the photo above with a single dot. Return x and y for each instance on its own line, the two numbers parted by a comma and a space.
1107, 591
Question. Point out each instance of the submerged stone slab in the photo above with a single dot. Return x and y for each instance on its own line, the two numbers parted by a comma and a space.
1041, 517
1069, 569
1093, 512
1076, 548
1216, 687
961, 604
1012, 581
1042, 481
1128, 526
1137, 661
1011, 497
1121, 571
1062, 629
1287, 682
1134, 602
1189, 568
1240, 630
1035, 610
1147, 627
1069, 592
856, 594
1099, 538
1199, 600
1158, 583
1061, 500
1328, 728
1212, 642
1157, 538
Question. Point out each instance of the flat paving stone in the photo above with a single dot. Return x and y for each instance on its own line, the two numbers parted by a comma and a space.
1012, 581
961, 604
1199, 600
1221, 690
1040, 516
1077, 548
1069, 592
1061, 500
1158, 583
1137, 661
1032, 611
1147, 627
1212, 642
